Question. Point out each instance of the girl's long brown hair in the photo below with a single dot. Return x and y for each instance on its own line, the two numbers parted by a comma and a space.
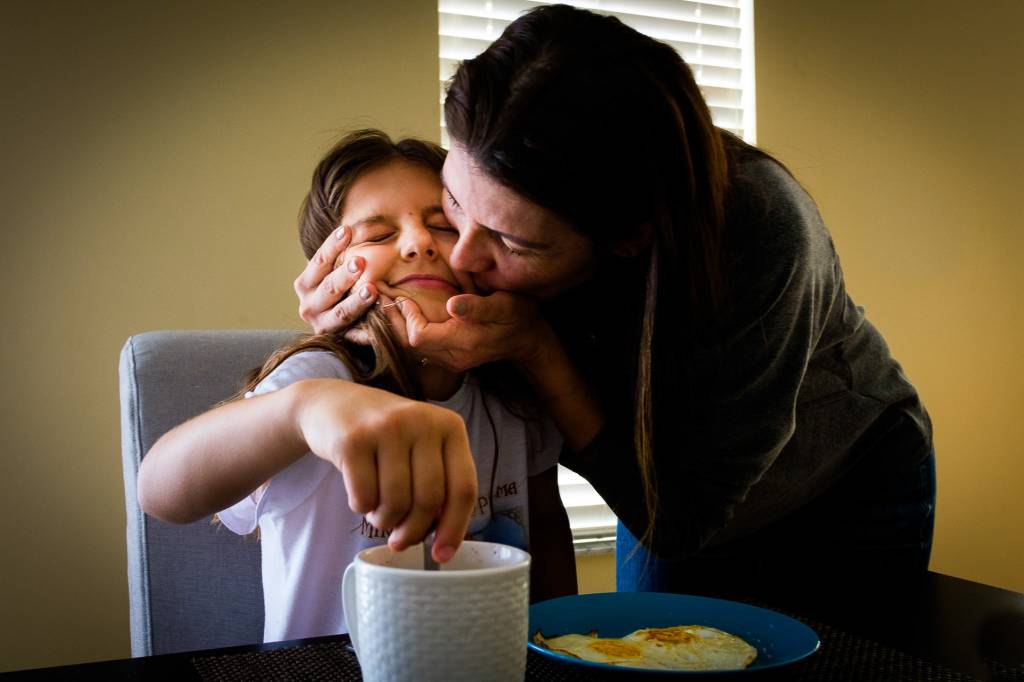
607, 128
383, 363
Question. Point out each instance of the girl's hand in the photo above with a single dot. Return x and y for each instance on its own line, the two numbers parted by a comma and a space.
322, 287
482, 329
406, 463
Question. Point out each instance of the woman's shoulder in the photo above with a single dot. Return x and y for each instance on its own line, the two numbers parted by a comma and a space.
309, 364
769, 213
761, 185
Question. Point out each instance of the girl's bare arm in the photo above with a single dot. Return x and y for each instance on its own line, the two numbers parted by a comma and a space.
405, 463
213, 460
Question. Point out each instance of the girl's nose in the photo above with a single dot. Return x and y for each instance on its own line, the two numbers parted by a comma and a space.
418, 243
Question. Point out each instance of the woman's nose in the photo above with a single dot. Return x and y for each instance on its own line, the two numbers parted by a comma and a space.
470, 253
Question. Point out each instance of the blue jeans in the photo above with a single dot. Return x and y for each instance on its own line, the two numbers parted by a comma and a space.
872, 528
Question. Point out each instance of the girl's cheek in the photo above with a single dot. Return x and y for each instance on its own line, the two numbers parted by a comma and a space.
465, 281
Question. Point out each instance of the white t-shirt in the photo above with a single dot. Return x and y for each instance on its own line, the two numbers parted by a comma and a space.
309, 535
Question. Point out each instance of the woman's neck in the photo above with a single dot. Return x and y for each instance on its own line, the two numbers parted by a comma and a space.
438, 383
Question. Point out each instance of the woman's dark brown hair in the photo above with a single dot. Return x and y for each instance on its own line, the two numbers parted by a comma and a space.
607, 128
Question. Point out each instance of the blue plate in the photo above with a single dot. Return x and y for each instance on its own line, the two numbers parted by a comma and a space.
780, 640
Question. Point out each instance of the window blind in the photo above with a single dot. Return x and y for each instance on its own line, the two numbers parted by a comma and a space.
715, 38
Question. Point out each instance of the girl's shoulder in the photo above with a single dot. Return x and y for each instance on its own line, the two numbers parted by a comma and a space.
309, 364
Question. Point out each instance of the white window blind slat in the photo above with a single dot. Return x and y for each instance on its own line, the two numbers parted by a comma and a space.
715, 38
720, 12
580, 496
456, 47
672, 32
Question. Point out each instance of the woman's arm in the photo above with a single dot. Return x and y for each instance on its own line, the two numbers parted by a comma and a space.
562, 391
405, 463
553, 569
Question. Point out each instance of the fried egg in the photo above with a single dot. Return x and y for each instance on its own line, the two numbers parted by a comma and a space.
683, 647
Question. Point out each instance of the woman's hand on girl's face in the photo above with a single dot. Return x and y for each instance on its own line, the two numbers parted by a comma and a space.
322, 287
406, 463
482, 329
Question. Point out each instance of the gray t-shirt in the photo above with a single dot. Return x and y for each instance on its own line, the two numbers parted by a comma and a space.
796, 377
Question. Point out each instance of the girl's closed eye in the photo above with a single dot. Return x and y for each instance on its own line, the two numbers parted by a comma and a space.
378, 237
443, 228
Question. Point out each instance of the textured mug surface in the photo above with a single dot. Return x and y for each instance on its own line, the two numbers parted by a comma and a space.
466, 621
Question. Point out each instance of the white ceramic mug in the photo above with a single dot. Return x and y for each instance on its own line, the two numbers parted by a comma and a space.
466, 621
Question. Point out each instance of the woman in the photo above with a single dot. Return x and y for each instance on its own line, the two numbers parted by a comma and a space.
738, 412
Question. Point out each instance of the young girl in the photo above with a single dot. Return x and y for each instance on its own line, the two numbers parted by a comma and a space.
279, 460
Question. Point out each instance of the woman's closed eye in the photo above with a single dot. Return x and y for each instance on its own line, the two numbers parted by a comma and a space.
513, 249
451, 200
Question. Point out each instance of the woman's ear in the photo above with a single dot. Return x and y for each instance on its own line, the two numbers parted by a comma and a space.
634, 243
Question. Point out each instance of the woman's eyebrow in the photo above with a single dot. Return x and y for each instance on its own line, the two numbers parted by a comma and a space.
511, 237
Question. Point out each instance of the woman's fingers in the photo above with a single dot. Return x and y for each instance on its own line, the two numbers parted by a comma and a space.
323, 261
438, 342
483, 329
388, 302
461, 306
321, 287
314, 297
495, 308
413, 321
348, 311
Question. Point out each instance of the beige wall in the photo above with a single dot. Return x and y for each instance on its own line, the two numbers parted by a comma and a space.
595, 573
903, 119
154, 156
153, 164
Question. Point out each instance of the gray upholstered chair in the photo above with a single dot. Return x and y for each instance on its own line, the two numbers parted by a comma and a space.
192, 586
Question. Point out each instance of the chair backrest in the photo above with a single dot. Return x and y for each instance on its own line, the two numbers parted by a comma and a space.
193, 586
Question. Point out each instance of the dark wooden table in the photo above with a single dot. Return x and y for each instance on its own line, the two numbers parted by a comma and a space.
962, 626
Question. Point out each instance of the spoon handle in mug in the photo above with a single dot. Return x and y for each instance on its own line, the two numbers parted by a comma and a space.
428, 560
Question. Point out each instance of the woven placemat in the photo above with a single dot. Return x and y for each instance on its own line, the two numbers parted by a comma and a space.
842, 658
848, 658
1001, 672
